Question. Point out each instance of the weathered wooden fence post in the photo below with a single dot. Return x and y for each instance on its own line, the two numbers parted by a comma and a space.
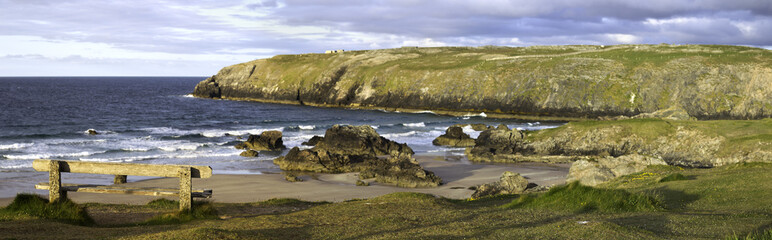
55, 192
186, 187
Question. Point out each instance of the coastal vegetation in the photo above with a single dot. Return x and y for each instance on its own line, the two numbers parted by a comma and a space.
732, 201
564, 82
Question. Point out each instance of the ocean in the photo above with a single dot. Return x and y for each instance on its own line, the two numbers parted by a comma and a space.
155, 120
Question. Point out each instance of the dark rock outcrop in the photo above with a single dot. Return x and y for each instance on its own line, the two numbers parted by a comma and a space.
360, 149
499, 145
266, 141
249, 153
509, 183
313, 141
92, 132
454, 137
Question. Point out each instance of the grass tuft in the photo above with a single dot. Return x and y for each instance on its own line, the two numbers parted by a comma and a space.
673, 177
33, 205
766, 235
579, 198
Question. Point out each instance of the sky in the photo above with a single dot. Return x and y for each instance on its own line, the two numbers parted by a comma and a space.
197, 38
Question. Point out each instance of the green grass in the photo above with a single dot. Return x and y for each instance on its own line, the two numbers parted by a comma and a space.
730, 202
575, 197
36, 206
201, 210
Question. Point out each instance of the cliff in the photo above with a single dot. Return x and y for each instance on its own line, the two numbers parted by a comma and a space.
697, 81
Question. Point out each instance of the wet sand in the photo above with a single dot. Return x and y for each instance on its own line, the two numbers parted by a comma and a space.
457, 176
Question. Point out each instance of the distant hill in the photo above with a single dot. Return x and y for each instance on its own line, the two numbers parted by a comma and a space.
680, 81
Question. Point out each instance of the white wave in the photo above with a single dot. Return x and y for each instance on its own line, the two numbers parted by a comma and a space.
374, 126
221, 133
396, 135
17, 166
166, 131
181, 147
135, 149
427, 112
15, 146
520, 129
468, 115
418, 124
51, 155
123, 159
306, 127
189, 96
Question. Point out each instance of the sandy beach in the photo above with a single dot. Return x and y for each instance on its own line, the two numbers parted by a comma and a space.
457, 177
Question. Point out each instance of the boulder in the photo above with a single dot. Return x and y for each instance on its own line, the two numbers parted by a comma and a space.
92, 132
249, 153
360, 149
509, 183
266, 141
402, 170
313, 141
454, 137
592, 172
499, 145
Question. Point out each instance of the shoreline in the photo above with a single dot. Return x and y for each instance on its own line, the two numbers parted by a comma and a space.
457, 175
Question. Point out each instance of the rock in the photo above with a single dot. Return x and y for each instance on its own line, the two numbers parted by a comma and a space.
92, 132
266, 141
499, 145
249, 153
454, 137
313, 141
401, 170
509, 183
592, 172
360, 149
292, 178
362, 183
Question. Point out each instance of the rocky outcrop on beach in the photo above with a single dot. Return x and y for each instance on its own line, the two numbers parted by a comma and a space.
249, 153
499, 145
509, 183
360, 149
454, 137
672, 81
266, 141
594, 171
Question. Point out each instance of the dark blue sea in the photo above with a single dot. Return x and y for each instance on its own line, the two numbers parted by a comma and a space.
156, 120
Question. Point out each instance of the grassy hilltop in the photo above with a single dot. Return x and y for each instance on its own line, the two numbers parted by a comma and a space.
700, 81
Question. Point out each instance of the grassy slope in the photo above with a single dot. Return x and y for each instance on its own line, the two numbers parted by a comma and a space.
711, 203
704, 79
731, 140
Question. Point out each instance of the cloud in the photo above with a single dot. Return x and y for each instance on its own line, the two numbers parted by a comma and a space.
232, 31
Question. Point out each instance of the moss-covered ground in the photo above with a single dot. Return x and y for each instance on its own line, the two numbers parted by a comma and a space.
728, 202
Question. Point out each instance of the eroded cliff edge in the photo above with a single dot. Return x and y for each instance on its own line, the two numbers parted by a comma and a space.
703, 81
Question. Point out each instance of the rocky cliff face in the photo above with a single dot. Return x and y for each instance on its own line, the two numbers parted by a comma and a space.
702, 81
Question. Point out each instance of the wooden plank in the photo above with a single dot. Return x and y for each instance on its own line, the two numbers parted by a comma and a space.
133, 169
147, 191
